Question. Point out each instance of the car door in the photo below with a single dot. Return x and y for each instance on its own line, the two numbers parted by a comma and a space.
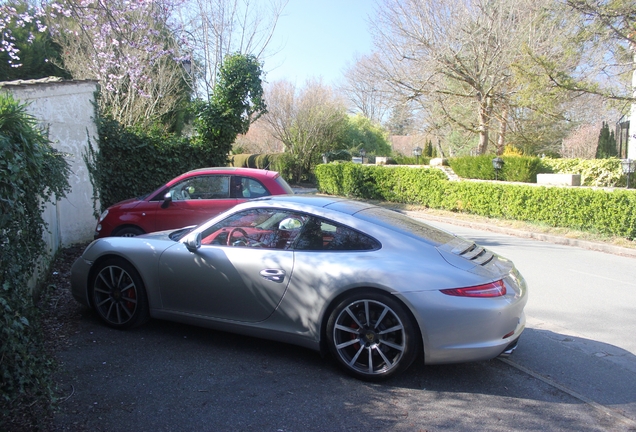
239, 277
195, 200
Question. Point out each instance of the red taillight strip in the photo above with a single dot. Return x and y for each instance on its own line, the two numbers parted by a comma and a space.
493, 289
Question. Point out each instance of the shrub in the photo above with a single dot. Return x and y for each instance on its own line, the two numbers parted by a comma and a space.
605, 212
31, 174
594, 172
131, 163
516, 168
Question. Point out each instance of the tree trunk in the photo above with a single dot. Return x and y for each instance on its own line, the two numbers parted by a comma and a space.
485, 108
631, 142
503, 128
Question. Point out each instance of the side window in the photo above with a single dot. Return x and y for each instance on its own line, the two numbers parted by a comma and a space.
245, 187
202, 187
257, 228
319, 234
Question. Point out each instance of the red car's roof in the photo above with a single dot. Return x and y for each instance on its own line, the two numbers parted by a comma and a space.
253, 172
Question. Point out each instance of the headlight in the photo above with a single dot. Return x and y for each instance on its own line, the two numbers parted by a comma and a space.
103, 215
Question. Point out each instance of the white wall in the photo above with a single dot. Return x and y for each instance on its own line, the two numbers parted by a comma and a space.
66, 109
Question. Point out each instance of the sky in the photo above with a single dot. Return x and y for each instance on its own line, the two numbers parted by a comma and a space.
319, 39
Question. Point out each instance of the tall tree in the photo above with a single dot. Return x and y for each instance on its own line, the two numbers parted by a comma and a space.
366, 92
129, 48
308, 121
237, 101
606, 143
447, 52
214, 29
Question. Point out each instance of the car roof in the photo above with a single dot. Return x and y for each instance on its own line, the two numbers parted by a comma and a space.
232, 170
341, 205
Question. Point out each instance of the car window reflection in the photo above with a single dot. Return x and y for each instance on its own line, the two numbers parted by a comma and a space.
256, 228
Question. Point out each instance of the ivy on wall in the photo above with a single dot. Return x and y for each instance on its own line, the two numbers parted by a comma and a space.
32, 173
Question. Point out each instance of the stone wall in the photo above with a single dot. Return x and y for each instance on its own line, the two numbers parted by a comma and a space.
65, 109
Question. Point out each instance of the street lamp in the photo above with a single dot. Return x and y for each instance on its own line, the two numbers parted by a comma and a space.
497, 164
417, 152
629, 166
363, 153
325, 158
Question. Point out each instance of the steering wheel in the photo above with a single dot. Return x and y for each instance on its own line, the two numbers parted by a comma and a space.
237, 229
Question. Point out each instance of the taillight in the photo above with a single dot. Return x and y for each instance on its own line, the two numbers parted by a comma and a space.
493, 289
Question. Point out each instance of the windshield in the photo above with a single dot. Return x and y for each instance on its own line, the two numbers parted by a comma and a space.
403, 224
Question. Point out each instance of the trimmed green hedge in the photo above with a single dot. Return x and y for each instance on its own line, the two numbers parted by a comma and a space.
594, 172
131, 163
601, 211
516, 168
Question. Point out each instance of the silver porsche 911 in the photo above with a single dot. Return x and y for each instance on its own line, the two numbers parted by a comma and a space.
370, 285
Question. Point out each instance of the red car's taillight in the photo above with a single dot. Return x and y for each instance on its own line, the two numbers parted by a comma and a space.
493, 289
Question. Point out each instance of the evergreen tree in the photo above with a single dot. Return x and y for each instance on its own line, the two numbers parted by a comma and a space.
606, 143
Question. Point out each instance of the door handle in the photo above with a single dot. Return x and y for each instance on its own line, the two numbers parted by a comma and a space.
275, 275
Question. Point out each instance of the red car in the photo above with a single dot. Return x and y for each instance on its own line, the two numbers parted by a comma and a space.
189, 199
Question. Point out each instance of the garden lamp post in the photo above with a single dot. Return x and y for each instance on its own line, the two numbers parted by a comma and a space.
629, 166
417, 152
497, 164
325, 158
363, 153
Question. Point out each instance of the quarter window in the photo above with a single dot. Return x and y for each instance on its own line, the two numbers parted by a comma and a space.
325, 235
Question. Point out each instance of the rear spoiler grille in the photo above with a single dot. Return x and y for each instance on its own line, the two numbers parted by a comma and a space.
474, 253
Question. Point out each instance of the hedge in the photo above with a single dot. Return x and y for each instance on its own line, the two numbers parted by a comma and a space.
593, 210
594, 172
131, 163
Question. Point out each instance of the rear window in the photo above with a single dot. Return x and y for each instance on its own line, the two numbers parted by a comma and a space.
282, 183
405, 225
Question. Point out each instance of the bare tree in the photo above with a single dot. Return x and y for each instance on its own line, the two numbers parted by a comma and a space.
582, 142
366, 92
457, 53
216, 28
308, 121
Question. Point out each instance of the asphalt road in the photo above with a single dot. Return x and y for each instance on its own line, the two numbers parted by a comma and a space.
574, 370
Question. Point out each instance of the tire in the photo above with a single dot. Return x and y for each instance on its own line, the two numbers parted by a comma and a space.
129, 231
118, 295
379, 343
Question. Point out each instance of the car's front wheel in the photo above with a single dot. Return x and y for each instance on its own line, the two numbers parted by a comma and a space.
372, 336
129, 231
118, 294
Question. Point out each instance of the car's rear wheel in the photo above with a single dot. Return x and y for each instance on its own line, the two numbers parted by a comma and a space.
372, 336
118, 294
129, 231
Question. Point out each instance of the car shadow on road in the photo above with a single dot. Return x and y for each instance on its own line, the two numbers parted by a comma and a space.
170, 376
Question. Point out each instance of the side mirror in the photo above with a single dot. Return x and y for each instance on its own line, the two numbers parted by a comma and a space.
193, 242
167, 199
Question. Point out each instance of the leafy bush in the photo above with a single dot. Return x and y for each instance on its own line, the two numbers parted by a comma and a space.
31, 174
516, 168
594, 172
131, 163
410, 160
606, 212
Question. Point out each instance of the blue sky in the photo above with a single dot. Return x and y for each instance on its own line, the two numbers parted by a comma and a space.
319, 38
